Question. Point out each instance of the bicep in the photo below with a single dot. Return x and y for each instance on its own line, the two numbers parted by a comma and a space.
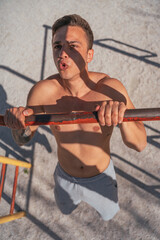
129, 103
119, 87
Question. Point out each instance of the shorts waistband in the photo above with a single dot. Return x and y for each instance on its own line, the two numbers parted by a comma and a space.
108, 171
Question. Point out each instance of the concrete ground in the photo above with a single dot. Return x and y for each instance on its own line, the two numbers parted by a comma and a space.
127, 47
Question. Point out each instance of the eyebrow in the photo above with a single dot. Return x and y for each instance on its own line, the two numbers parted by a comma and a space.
57, 42
69, 42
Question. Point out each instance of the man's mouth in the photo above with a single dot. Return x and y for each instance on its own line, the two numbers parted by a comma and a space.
63, 66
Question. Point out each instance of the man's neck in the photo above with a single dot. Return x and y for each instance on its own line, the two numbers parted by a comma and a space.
79, 85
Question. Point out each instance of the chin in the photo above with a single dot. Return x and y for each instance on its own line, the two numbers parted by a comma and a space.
66, 76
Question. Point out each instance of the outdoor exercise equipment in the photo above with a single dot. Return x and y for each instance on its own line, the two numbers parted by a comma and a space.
143, 114
4, 161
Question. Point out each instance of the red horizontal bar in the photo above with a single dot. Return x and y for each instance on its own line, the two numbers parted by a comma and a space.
146, 114
141, 119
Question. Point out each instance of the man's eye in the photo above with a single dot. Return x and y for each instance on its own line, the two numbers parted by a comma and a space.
57, 47
72, 46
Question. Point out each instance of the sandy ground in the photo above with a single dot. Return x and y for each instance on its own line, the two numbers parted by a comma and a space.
127, 47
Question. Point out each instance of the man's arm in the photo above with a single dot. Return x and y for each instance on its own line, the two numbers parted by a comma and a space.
134, 135
112, 113
22, 136
39, 95
15, 119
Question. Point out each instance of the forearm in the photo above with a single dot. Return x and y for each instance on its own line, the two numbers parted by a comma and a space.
22, 136
134, 135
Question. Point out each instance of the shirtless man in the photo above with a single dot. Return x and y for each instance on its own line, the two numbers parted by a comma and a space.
85, 170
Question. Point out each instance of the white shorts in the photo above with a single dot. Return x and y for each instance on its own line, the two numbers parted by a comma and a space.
99, 191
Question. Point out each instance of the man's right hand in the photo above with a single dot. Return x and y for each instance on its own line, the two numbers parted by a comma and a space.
14, 118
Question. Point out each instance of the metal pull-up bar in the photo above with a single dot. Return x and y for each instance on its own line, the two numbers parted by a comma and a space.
143, 114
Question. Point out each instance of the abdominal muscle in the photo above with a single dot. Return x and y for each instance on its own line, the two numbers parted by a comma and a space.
84, 155
86, 164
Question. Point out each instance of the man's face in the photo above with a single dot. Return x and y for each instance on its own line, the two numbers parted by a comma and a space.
70, 51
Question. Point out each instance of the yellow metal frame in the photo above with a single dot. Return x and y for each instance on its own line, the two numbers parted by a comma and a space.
12, 217
14, 162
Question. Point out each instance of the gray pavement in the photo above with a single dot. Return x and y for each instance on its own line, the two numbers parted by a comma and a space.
127, 47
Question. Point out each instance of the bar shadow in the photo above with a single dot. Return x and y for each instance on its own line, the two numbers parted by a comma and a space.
33, 219
150, 189
152, 139
46, 28
10, 70
143, 58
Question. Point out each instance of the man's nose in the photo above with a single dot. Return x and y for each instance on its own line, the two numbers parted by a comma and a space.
63, 53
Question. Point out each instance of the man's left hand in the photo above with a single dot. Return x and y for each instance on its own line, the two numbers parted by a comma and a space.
111, 113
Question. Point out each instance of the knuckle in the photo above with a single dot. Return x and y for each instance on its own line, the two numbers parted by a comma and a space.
116, 103
122, 105
110, 103
103, 106
20, 108
13, 109
114, 120
115, 114
101, 119
100, 113
101, 122
101, 110
108, 123
104, 103
107, 115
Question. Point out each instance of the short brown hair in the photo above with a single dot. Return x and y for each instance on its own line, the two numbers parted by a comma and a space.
74, 20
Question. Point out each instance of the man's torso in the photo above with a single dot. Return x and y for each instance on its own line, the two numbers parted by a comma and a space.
83, 149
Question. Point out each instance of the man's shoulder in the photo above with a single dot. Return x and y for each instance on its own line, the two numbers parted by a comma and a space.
111, 87
112, 82
48, 83
44, 90
51, 80
103, 78
54, 78
97, 76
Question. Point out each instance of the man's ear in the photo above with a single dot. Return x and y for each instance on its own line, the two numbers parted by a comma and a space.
90, 55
